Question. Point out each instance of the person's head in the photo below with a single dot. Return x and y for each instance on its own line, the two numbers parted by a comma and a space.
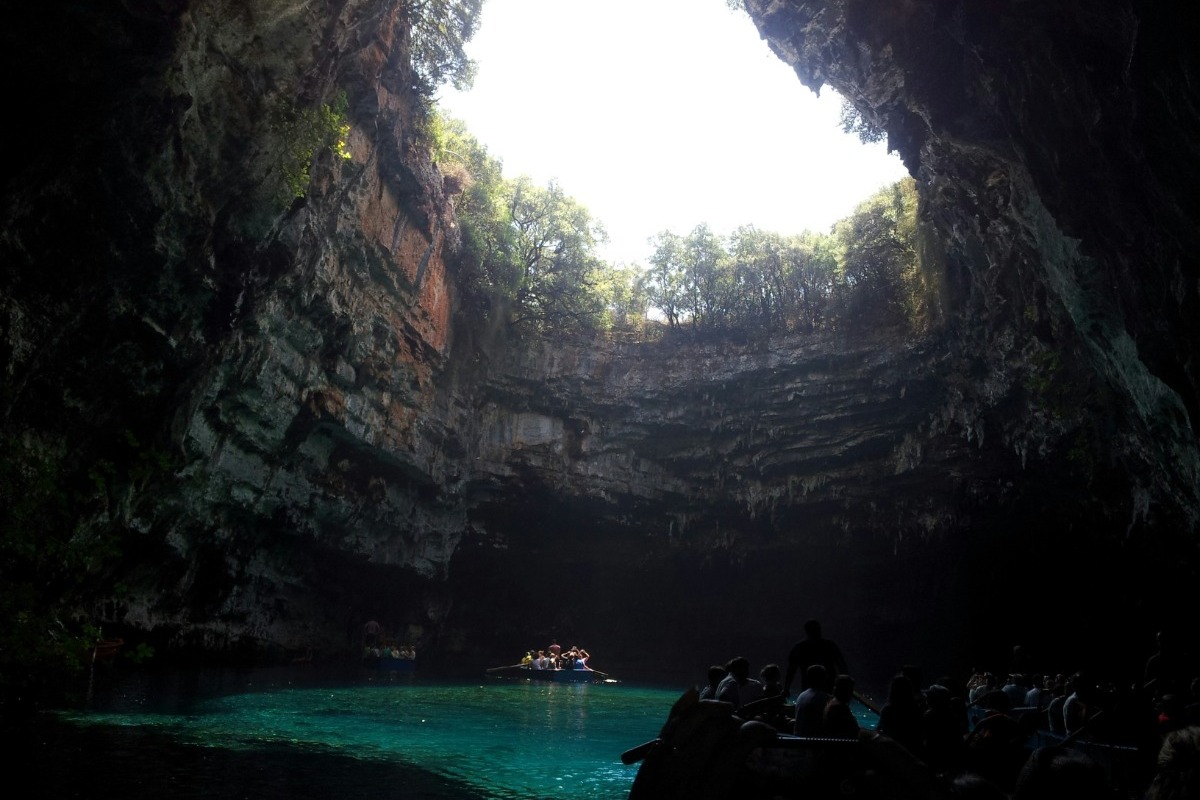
1083, 685
1178, 776
843, 688
1053, 773
770, 673
817, 677
1171, 705
970, 786
739, 668
900, 691
716, 673
812, 629
938, 697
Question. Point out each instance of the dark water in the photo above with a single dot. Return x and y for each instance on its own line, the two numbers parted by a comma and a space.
291, 734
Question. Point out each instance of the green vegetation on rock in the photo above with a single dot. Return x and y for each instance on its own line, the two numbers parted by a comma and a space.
530, 254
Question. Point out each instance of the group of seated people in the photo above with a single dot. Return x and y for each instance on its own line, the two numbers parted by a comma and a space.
986, 728
553, 657
405, 652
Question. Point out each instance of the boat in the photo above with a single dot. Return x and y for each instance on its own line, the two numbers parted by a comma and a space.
107, 649
391, 664
526, 672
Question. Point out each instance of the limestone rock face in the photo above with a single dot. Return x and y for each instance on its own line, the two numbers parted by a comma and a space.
283, 421
1051, 145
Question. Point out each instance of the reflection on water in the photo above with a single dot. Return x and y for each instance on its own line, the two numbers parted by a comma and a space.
217, 734
407, 738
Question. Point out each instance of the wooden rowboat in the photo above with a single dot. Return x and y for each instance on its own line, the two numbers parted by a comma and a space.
524, 672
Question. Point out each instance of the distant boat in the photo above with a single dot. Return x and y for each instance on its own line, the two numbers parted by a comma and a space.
525, 672
390, 664
107, 649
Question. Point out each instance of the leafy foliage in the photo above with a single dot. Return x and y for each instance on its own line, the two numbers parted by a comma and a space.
304, 132
440, 31
853, 122
866, 273
751, 280
528, 249
45, 558
557, 268
879, 259
530, 254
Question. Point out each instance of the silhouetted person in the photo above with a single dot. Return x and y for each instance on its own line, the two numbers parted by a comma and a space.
1191, 712
1015, 689
716, 674
1178, 775
1054, 710
1056, 773
1170, 714
915, 677
995, 747
839, 721
738, 687
770, 675
810, 704
943, 728
900, 718
1082, 704
970, 786
1021, 663
1037, 695
813, 649
1165, 670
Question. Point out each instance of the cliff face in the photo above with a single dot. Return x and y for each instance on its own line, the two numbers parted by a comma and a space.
278, 416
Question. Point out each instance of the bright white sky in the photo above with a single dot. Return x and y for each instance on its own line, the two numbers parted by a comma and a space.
659, 115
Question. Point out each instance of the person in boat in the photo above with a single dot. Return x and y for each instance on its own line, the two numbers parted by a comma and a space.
371, 631
838, 721
527, 659
581, 658
540, 662
813, 649
738, 687
1057, 772
1178, 775
810, 703
901, 719
1082, 704
716, 674
770, 675
555, 651
995, 747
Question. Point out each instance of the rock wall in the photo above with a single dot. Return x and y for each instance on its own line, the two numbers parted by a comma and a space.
281, 419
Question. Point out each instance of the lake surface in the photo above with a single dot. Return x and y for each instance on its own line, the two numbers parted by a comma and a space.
267, 735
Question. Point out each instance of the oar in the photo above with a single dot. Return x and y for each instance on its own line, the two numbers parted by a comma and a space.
510, 666
1081, 729
636, 754
866, 701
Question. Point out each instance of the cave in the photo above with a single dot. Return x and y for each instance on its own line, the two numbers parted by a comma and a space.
241, 427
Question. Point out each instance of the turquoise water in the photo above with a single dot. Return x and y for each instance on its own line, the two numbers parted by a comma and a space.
499, 739
409, 738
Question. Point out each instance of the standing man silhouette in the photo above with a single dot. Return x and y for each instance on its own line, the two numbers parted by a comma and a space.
813, 649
